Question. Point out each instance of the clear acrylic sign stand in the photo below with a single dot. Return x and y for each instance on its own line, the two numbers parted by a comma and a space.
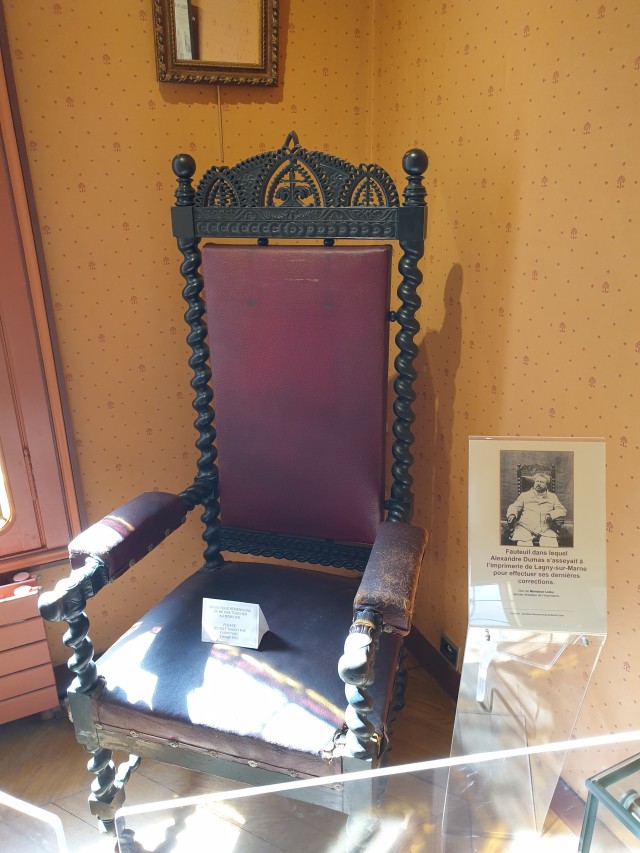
537, 622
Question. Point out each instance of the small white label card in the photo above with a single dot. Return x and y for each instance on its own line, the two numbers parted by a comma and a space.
234, 623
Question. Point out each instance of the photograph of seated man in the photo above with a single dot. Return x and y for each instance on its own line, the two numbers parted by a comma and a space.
536, 515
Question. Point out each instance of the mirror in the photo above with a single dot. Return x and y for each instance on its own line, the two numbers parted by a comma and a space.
213, 41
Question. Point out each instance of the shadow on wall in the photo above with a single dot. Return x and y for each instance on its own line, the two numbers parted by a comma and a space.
436, 365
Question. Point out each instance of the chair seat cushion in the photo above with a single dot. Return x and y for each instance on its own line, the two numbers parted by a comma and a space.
279, 706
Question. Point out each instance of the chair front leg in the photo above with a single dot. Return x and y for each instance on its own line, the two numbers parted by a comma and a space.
356, 669
66, 603
107, 796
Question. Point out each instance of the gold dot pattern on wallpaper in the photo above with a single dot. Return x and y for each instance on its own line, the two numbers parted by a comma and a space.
530, 314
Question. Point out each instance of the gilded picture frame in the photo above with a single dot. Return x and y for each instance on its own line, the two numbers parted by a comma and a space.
198, 41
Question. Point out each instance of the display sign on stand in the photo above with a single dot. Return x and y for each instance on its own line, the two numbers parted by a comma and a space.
537, 534
537, 614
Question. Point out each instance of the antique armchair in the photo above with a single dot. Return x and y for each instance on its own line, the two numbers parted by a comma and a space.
296, 340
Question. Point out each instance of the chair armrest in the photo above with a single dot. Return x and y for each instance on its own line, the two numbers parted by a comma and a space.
122, 538
108, 548
384, 601
390, 579
98, 556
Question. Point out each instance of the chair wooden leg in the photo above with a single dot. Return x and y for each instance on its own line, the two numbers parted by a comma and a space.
361, 804
107, 789
361, 829
106, 795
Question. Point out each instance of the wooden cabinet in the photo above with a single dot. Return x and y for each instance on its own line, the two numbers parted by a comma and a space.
27, 684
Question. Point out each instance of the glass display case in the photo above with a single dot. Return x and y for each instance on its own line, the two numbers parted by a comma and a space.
418, 811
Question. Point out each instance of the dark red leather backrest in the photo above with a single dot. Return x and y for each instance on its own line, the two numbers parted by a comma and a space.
299, 341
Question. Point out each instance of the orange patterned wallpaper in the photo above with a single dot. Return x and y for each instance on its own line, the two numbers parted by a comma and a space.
528, 112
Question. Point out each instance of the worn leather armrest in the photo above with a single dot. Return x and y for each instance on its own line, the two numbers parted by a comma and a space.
108, 548
390, 578
127, 534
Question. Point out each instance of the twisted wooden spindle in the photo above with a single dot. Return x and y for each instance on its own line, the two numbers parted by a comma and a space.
356, 669
400, 505
205, 490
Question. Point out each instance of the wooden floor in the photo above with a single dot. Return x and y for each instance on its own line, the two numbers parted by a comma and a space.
41, 763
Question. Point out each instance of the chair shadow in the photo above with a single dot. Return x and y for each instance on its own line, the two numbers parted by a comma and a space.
436, 365
127, 842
